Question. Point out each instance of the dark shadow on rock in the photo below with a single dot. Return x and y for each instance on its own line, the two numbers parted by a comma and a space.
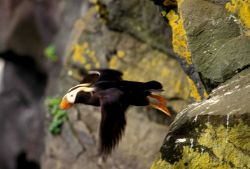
24, 163
21, 113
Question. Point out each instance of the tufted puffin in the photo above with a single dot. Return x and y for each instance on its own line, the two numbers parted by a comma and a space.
107, 89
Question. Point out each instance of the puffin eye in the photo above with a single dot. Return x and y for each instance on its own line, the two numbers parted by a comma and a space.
71, 95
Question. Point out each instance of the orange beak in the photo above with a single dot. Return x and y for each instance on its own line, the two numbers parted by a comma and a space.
65, 104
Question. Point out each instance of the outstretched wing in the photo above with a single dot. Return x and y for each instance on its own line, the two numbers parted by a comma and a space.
113, 119
101, 75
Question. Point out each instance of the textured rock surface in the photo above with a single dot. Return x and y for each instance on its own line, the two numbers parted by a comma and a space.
214, 133
142, 20
228, 60
215, 38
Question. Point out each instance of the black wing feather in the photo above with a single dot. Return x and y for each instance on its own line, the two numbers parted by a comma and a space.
113, 119
90, 78
96, 75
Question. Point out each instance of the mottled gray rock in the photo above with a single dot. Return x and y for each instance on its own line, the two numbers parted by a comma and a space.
214, 39
141, 19
230, 58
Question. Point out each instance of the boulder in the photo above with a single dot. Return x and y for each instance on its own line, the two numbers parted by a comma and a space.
214, 133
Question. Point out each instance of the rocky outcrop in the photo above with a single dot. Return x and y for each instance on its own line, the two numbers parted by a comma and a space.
214, 133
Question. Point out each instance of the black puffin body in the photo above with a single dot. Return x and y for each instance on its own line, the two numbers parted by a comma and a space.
105, 88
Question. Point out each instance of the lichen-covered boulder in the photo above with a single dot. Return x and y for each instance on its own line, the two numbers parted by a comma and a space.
214, 133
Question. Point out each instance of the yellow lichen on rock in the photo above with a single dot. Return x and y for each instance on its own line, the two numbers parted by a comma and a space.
85, 56
192, 160
113, 62
230, 148
230, 145
120, 53
242, 9
160, 164
77, 54
180, 45
118, 56
194, 91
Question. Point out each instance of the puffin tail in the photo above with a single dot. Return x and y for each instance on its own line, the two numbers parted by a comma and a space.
153, 86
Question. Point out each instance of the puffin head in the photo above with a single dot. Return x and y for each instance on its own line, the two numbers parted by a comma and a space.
78, 94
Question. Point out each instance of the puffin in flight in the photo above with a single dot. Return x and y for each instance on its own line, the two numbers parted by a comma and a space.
107, 89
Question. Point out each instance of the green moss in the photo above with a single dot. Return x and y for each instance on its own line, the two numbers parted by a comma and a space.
58, 116
50, 53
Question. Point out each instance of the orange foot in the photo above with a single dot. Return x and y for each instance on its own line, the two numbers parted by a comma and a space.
161, 105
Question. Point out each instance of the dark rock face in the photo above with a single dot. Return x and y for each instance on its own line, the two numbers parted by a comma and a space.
23, 162
142, 20
213, 133
21, 113
26, 28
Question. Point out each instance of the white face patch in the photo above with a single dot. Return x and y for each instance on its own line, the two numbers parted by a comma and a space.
71, 95
94, 72
80, 85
